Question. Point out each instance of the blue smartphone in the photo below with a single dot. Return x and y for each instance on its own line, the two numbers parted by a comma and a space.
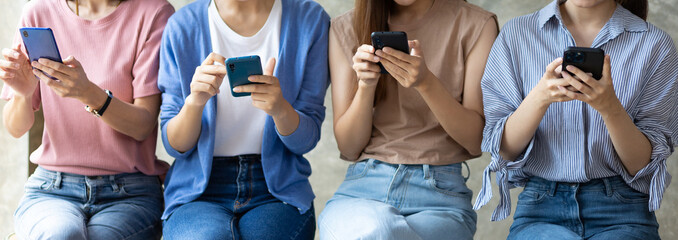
239, 69
40, 43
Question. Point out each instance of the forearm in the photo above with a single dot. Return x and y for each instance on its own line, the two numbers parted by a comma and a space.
18, 115
521, 126
287, 121
354, 128
465, 126
184, 129
632, 146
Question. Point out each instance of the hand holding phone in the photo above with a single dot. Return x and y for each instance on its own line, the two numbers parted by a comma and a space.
207, 79
395, 40
240, 69
16, 71
589, 60
267, 94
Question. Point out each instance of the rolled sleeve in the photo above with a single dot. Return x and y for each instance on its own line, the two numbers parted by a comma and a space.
502, 95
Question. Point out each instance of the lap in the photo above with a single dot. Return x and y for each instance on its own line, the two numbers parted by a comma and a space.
44, 217
126, 220
276, 220
538, 231
200, 220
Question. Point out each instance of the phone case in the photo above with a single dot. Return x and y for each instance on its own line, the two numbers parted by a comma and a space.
589, 60
395, 40
40, 43
239, 69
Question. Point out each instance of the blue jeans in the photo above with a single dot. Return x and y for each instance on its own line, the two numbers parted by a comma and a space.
70, 206
385, 201
237, 205
600, 209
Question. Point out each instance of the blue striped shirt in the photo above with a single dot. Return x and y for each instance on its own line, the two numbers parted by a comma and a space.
572, 143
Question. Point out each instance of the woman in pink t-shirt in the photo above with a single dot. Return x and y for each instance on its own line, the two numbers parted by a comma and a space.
98, 177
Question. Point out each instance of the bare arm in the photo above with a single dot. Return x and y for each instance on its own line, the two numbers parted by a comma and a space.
353, 89
15, 72
464, 121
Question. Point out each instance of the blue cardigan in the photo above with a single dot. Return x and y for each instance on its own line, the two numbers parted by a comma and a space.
303, 72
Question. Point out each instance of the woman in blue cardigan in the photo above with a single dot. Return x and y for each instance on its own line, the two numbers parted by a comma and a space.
239, 171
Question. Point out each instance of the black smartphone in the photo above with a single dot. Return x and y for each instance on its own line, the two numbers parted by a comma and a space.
239, 69
589, 60
395, 40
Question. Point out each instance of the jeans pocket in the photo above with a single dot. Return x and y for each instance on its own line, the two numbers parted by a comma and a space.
630, 195
449, 183
34, 184
532, 196
141, 187
356, 170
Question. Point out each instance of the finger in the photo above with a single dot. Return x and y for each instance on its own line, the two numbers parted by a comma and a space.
262, 79
59, 67
398, 73
551, 68
366, 48
270, 67
405, 57
365, 56
253, 88
204, 87
10, 54
576, 84
213, 81
583, 76
259, 97
367, 67
6, 74
571, 94
416, 48
391, 58
213, 69
368, 75
72, 63
48, 81
7, 65
51, 71
607, 68
214, 57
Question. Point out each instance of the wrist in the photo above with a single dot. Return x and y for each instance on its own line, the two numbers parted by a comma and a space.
537, 99
94, 96
615, 111
424, 84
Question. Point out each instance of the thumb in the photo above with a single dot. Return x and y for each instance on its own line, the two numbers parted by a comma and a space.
71, 61
607, 68
270, 67
416, 48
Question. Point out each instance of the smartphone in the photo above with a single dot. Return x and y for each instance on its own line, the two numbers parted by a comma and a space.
239, 69
395, 40
40, 43
589, 60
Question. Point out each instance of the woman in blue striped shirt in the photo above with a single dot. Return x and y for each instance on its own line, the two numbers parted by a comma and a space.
590, 153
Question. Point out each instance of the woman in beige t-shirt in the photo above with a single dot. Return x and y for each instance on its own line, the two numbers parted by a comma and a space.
407, 131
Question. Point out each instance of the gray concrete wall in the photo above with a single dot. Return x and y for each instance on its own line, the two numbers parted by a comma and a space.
328, 170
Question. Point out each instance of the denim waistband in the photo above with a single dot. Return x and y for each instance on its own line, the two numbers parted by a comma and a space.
455, 168
608, 184
245, 157
59, 177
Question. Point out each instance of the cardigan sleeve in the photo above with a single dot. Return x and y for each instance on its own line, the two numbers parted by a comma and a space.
309, 103
170, 85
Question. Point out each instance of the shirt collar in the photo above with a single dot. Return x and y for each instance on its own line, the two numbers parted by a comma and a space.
621, 20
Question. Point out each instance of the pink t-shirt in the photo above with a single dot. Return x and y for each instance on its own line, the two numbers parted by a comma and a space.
118, 52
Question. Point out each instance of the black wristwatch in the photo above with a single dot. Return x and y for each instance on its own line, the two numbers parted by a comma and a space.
101, 111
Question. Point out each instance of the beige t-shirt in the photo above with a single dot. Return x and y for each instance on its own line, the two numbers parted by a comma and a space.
405, 130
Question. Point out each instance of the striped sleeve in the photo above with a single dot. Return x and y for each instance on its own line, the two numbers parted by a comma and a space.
502, 95
656, 117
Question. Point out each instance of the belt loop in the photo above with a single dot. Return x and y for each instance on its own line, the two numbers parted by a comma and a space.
57, 181
427, 171
468, 169
608, 187
370, 163
114, 185
553, 188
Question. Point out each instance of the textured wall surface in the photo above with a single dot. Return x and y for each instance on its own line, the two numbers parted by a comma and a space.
328, 170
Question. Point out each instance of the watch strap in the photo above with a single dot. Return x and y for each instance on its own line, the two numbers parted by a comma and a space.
101, 111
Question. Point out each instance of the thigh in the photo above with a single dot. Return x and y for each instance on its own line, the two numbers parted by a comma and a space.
126, 219
200, 220
355, 218
626, 232
276, 220
41, 216
442, 224
539, 231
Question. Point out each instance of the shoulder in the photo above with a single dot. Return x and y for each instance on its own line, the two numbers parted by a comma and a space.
659, 37
188, 18
305, 11
152, 6
344, 20
473, 12
35, 8
519, 26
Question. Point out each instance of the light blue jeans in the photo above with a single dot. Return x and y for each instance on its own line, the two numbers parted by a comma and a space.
68, 206
385, 201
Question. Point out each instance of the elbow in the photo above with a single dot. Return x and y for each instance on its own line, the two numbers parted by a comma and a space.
348, 152
141, 136
16, 134
475, 151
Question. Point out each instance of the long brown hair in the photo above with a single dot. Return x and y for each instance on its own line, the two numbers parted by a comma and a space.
637, 7
372, 16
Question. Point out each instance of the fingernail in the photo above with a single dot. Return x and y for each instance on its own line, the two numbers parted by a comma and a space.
387, 50
16, 54
376, 58
35, 71
11, 74
34, 64
16, 65
236, 89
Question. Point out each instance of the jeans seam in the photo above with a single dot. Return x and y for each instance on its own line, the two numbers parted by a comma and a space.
329, 230
301, 227
137, 232
232, 222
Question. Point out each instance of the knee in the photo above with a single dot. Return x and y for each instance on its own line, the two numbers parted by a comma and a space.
337, 222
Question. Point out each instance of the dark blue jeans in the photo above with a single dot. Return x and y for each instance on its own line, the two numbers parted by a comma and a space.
238, 205
601, 209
